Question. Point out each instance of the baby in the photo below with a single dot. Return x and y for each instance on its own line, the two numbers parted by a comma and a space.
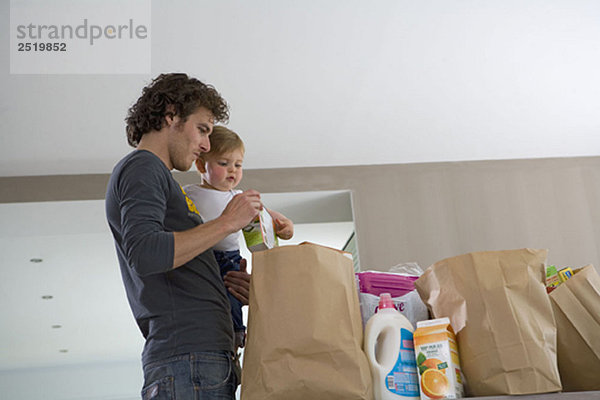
221, 170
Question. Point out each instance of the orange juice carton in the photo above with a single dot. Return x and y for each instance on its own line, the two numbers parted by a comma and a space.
260, 233
436, 352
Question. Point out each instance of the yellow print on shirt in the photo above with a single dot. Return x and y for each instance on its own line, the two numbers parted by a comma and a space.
190, 203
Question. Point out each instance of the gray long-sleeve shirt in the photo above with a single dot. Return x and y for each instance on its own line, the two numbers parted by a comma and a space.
178, 310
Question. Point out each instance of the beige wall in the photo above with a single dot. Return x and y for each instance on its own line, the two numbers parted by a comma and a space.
424, 212
427, 212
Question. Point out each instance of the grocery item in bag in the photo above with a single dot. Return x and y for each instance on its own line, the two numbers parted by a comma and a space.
400, 286
552, 279
497, 303
576, 304
304, 327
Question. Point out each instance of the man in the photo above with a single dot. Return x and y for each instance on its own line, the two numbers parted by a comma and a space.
170, 275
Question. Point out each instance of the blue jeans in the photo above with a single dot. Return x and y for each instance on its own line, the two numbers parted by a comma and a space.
230, 261
194, 376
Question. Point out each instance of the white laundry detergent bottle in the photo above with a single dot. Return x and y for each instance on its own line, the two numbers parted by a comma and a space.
390, 351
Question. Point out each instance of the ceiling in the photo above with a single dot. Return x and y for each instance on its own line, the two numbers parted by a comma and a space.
328, 83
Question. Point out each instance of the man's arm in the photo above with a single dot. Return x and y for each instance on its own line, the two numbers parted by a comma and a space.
242, 209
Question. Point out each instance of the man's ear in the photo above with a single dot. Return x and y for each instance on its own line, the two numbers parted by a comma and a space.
200, 165
170, 115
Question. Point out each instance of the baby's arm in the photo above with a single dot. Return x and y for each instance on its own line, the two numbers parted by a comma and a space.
284, 227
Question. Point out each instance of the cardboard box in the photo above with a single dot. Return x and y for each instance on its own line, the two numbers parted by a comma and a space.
260, 233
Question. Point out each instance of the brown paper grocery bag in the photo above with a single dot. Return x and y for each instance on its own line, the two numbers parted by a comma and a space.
304, 327
576, 305
498, 306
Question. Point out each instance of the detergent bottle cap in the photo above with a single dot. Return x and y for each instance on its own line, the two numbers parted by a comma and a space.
385, 301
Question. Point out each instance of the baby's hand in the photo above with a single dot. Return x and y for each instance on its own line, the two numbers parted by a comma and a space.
284, 227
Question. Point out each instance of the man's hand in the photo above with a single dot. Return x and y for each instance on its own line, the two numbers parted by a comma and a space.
238, 283
242, 209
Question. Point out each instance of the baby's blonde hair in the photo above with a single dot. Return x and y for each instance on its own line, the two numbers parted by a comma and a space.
223, 140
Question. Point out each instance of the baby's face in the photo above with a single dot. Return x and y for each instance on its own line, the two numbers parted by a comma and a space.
224, 172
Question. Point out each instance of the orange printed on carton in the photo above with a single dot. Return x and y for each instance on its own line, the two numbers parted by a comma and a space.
436, 352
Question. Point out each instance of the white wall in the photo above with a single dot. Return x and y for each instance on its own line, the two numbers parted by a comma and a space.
339, 83
111, 381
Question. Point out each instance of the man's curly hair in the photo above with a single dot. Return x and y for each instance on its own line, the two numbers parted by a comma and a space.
173, 94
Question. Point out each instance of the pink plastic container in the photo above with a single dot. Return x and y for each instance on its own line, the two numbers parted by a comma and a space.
377, 283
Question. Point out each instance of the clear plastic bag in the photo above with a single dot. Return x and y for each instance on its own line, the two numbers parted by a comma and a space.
399, 282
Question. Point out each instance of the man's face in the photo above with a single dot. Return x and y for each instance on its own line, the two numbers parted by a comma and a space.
190, 138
